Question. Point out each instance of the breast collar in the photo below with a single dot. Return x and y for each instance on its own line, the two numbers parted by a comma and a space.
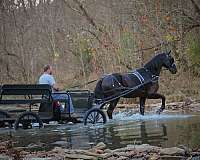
155, 78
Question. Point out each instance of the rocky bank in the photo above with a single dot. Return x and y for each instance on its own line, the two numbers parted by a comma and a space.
101, 152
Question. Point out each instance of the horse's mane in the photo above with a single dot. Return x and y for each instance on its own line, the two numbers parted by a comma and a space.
155, 64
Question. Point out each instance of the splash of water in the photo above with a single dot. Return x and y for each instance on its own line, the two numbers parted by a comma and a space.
121, 116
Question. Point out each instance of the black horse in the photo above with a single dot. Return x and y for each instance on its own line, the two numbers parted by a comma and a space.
113, 84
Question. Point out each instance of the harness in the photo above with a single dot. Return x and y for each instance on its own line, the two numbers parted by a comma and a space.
138, 75
113, 79
142, 78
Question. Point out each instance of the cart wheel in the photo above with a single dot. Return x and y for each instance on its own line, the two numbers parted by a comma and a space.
26, 121
94, 116
3, 115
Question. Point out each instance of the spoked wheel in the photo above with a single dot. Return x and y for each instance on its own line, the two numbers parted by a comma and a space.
3, 115
95, 116
27, 120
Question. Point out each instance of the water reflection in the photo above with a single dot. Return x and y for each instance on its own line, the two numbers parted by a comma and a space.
135, 133
117, 133
157, 137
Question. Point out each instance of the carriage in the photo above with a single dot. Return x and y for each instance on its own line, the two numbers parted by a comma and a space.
31, 105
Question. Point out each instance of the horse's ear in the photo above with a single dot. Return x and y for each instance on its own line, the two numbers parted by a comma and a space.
169, 52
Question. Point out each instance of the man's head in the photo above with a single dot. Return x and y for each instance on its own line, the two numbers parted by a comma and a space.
48, 69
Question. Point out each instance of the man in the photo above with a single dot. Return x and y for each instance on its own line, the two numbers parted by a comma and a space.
47, 78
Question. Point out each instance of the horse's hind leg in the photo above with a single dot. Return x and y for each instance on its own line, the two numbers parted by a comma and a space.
158, 96
142, 105
111, 108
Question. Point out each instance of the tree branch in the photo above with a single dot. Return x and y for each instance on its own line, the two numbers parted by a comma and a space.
155, 46
94, 34
189, 17
197, 8
191, 27
73, 9
85, 13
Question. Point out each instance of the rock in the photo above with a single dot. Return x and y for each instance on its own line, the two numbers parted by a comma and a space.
3, 157
153, 156
32, 145
131, 153
138, 148
91, 153
100, 145
61, 143
195, 154
188, 101
39, 159
173, 157
122, 158
79, 156
107, 155
187, 150
96, 150
2, 148
111, 158
172, 151
57, 149
23, 152
99, 151
108, 151
119, 154
195, 157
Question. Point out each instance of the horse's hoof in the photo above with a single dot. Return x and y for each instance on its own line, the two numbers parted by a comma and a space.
142, 113
110, 117
159, 111
109, 114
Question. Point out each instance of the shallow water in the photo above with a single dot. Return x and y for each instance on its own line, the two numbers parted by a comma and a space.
166, 130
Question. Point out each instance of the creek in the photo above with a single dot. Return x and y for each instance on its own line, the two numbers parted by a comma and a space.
166, 130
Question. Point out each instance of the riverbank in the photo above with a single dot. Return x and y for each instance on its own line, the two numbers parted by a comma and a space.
101, 152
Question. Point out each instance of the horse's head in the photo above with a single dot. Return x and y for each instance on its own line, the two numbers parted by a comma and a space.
169, 63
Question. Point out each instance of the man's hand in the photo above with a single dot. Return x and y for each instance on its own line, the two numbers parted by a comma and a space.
56, 88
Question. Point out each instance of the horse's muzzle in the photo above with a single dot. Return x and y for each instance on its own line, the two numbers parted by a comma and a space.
173, 68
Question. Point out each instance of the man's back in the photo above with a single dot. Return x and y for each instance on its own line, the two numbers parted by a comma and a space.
47, 79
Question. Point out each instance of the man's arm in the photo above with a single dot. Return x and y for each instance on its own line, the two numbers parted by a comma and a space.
53, 84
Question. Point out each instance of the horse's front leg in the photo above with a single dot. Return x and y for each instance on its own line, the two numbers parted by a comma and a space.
111, 108
142, 105
158, 96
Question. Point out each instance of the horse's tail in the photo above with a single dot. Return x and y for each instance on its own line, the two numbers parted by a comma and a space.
98, 92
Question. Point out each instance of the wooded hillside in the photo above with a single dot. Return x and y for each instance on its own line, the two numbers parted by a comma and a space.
84, 39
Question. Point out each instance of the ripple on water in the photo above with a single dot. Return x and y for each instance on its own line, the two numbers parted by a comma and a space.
124, 116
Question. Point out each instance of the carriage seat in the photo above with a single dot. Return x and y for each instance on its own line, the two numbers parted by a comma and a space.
25, 94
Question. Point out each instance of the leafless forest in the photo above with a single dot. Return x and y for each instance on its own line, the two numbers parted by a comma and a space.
84, 39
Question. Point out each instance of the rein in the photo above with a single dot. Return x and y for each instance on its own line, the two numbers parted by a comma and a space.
123, 93
80, 85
